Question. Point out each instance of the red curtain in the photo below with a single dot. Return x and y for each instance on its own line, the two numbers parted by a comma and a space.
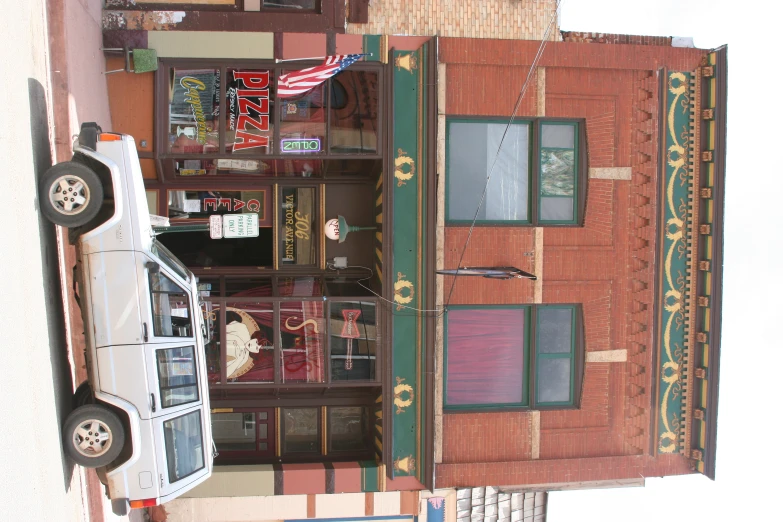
485, 356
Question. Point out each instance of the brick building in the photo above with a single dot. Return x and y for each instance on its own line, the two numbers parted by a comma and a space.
618, 378
608, 187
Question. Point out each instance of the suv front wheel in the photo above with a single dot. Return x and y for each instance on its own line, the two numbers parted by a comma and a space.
93, 436
70, 194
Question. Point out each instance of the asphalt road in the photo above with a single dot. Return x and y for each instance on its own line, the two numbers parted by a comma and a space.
38, 482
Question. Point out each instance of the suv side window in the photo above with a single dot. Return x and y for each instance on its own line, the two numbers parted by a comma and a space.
170, 308
177, 376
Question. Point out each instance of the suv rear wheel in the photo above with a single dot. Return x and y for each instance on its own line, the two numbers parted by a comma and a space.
93, 436
70, 194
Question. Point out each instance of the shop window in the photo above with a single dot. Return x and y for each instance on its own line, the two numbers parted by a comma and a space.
353, 119
194, 111
513, 357
353, 340
244, 433
538, 176
348, 429
250, 349
300, 431
303, 122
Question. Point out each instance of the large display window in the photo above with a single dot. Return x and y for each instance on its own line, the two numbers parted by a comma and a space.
227, 120
286, 330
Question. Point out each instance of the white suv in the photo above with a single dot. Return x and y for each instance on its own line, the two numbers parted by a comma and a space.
142, 418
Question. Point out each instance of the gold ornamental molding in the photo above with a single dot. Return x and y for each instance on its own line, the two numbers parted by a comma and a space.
400, 287
402, 161
401, 390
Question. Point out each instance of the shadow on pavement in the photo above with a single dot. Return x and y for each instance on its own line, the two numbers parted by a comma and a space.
62, 382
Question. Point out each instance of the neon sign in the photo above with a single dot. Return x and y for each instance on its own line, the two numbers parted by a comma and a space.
295, 145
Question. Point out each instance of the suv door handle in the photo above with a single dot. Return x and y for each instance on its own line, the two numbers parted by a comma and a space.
152, 398
144, 331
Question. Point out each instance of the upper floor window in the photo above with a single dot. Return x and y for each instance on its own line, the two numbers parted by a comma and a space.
539, 175
501, 357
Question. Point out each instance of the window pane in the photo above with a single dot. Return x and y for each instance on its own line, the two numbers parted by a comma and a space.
170, 308
353, 336
184, 441
250, 102
177, 376
234, 431
557, 209
300, 287
210, 313
353, 126
223, 167
249, 342
485, 356
249, 287
297, 226
303, 122
302, 327
557, 172
472, 149
290, 4
174, 264
348, 429
553, 380
194, 111
197, 249
300, 430
554, 330
557, 136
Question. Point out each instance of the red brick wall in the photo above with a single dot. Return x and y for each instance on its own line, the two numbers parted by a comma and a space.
607, 265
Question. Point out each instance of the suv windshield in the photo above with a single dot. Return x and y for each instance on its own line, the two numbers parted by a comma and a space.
169, 259
184, 441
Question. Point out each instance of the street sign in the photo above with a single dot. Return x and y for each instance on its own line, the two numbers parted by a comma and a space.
240, 225
216, 226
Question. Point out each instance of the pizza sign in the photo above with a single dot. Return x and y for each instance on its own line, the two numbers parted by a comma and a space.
248, 114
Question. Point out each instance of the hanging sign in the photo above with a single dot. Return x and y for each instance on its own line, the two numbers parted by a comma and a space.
240, 225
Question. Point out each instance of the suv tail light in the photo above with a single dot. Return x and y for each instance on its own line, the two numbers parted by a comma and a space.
148, 502
108, 136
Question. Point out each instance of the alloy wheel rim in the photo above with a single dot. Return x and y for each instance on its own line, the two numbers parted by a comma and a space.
92, 438
69, 195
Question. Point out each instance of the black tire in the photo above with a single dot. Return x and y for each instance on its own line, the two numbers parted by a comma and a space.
80, 439
83, 395
78, 178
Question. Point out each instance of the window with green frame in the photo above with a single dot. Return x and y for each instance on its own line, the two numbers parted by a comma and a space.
539, 171
507, 357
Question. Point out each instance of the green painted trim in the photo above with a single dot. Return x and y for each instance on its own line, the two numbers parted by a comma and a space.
371, 43
370, 483
674, 250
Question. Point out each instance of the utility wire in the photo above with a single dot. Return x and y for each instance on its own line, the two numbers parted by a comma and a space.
533, 67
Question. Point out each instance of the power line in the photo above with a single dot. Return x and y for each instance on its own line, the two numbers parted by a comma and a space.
533, 67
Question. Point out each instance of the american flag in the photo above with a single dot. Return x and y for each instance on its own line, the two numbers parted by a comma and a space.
298, 82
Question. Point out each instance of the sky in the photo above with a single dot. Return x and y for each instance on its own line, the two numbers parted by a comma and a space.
747, 486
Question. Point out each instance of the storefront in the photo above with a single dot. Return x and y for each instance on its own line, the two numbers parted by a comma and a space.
310, 349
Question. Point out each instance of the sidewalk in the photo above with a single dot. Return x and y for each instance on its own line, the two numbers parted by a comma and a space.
79, 94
